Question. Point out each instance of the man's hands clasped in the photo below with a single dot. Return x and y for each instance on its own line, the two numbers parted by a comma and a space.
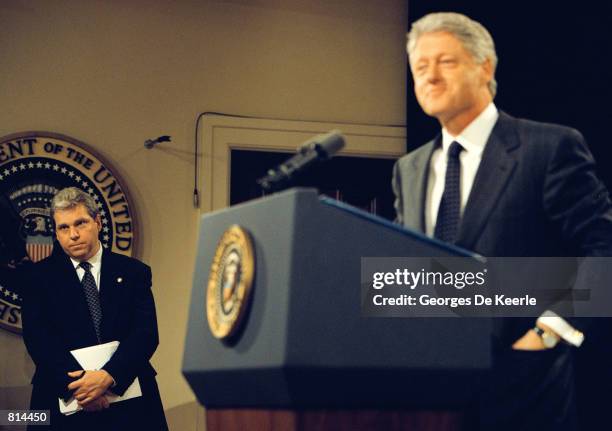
90, 389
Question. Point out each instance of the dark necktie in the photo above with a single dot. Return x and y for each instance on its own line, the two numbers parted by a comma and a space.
92, 296
449, 213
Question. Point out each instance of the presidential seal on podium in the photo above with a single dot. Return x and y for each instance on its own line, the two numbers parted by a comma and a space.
230, 283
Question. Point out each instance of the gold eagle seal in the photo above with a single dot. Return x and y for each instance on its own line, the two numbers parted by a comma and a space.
230, 282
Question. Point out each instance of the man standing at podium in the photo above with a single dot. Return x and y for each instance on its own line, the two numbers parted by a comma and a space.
81, 296
501, 186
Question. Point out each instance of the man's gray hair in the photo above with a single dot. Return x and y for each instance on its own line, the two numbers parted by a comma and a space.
474, 37
70, 197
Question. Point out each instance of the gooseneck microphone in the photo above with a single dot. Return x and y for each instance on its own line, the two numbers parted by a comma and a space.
316, 150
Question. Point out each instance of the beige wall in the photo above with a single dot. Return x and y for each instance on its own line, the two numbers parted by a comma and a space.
113, 73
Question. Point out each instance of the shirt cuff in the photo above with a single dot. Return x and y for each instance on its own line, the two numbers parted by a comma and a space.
561, 327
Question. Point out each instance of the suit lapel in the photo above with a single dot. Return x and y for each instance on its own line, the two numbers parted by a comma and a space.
495, 169
417, 178
110, 284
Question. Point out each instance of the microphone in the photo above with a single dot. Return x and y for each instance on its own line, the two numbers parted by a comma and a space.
316, 150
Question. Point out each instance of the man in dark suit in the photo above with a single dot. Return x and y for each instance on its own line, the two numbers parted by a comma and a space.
502, 186
83, 295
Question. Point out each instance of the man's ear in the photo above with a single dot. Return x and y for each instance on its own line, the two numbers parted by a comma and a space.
487, 69
98, 221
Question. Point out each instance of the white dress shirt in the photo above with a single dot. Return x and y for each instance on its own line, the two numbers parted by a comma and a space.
473, 139
96, 266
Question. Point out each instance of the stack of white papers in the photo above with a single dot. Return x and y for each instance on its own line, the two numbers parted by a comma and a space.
94, 358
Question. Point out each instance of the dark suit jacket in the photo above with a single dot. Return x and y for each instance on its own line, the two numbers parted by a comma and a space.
535, 194
56, 320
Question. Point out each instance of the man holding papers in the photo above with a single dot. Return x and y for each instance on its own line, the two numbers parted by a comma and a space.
81, 297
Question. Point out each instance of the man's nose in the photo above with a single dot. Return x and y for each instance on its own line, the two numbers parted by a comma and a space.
433, 73
74, 233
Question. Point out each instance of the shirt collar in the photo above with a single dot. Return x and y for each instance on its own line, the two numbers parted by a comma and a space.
475, 136
95, 260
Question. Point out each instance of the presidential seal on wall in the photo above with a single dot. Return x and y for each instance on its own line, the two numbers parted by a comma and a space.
230, 282
33, 167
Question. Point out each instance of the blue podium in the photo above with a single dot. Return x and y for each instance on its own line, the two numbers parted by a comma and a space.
305, 354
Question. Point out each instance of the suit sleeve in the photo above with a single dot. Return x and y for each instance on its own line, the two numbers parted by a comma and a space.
577, 202
141, 339
52, 361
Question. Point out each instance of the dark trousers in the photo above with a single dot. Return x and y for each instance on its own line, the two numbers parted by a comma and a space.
593, 362
530, 390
